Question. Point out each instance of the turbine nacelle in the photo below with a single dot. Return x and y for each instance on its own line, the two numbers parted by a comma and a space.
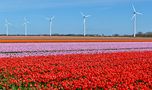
6, 22
25, 20
50, 18
85, 16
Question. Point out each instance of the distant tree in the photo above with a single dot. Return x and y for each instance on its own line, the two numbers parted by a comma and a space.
115, 35
148, 34
140, 34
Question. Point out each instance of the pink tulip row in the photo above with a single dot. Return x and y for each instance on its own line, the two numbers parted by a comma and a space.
32, 49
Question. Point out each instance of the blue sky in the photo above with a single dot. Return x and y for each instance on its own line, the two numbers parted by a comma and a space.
107, 16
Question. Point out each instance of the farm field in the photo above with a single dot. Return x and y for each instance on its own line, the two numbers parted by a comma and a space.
40, 39
80, 65
36, 49
121, 70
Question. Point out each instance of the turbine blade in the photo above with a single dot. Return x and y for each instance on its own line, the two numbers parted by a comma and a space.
25, 19
82, 13
5, 25
28, 22
52, 17
139, 13
88, 16
6, 21
133, 16
133, 8
9, 23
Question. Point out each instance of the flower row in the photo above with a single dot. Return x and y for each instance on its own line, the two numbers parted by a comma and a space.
26, 49
121, 70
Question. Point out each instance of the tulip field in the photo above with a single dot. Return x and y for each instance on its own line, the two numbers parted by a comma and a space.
76, 66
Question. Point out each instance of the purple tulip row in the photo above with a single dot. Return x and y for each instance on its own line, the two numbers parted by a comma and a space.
28, 49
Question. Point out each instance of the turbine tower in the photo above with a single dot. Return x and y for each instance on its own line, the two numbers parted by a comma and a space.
84, 23
134, 17
26, 22
50, 19
7, 26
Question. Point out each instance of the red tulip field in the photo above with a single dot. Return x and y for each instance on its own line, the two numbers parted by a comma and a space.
99, 71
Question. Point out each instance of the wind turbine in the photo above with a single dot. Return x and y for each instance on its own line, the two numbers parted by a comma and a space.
134, 17
7, 26
26, 22
50, 19
84, 23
